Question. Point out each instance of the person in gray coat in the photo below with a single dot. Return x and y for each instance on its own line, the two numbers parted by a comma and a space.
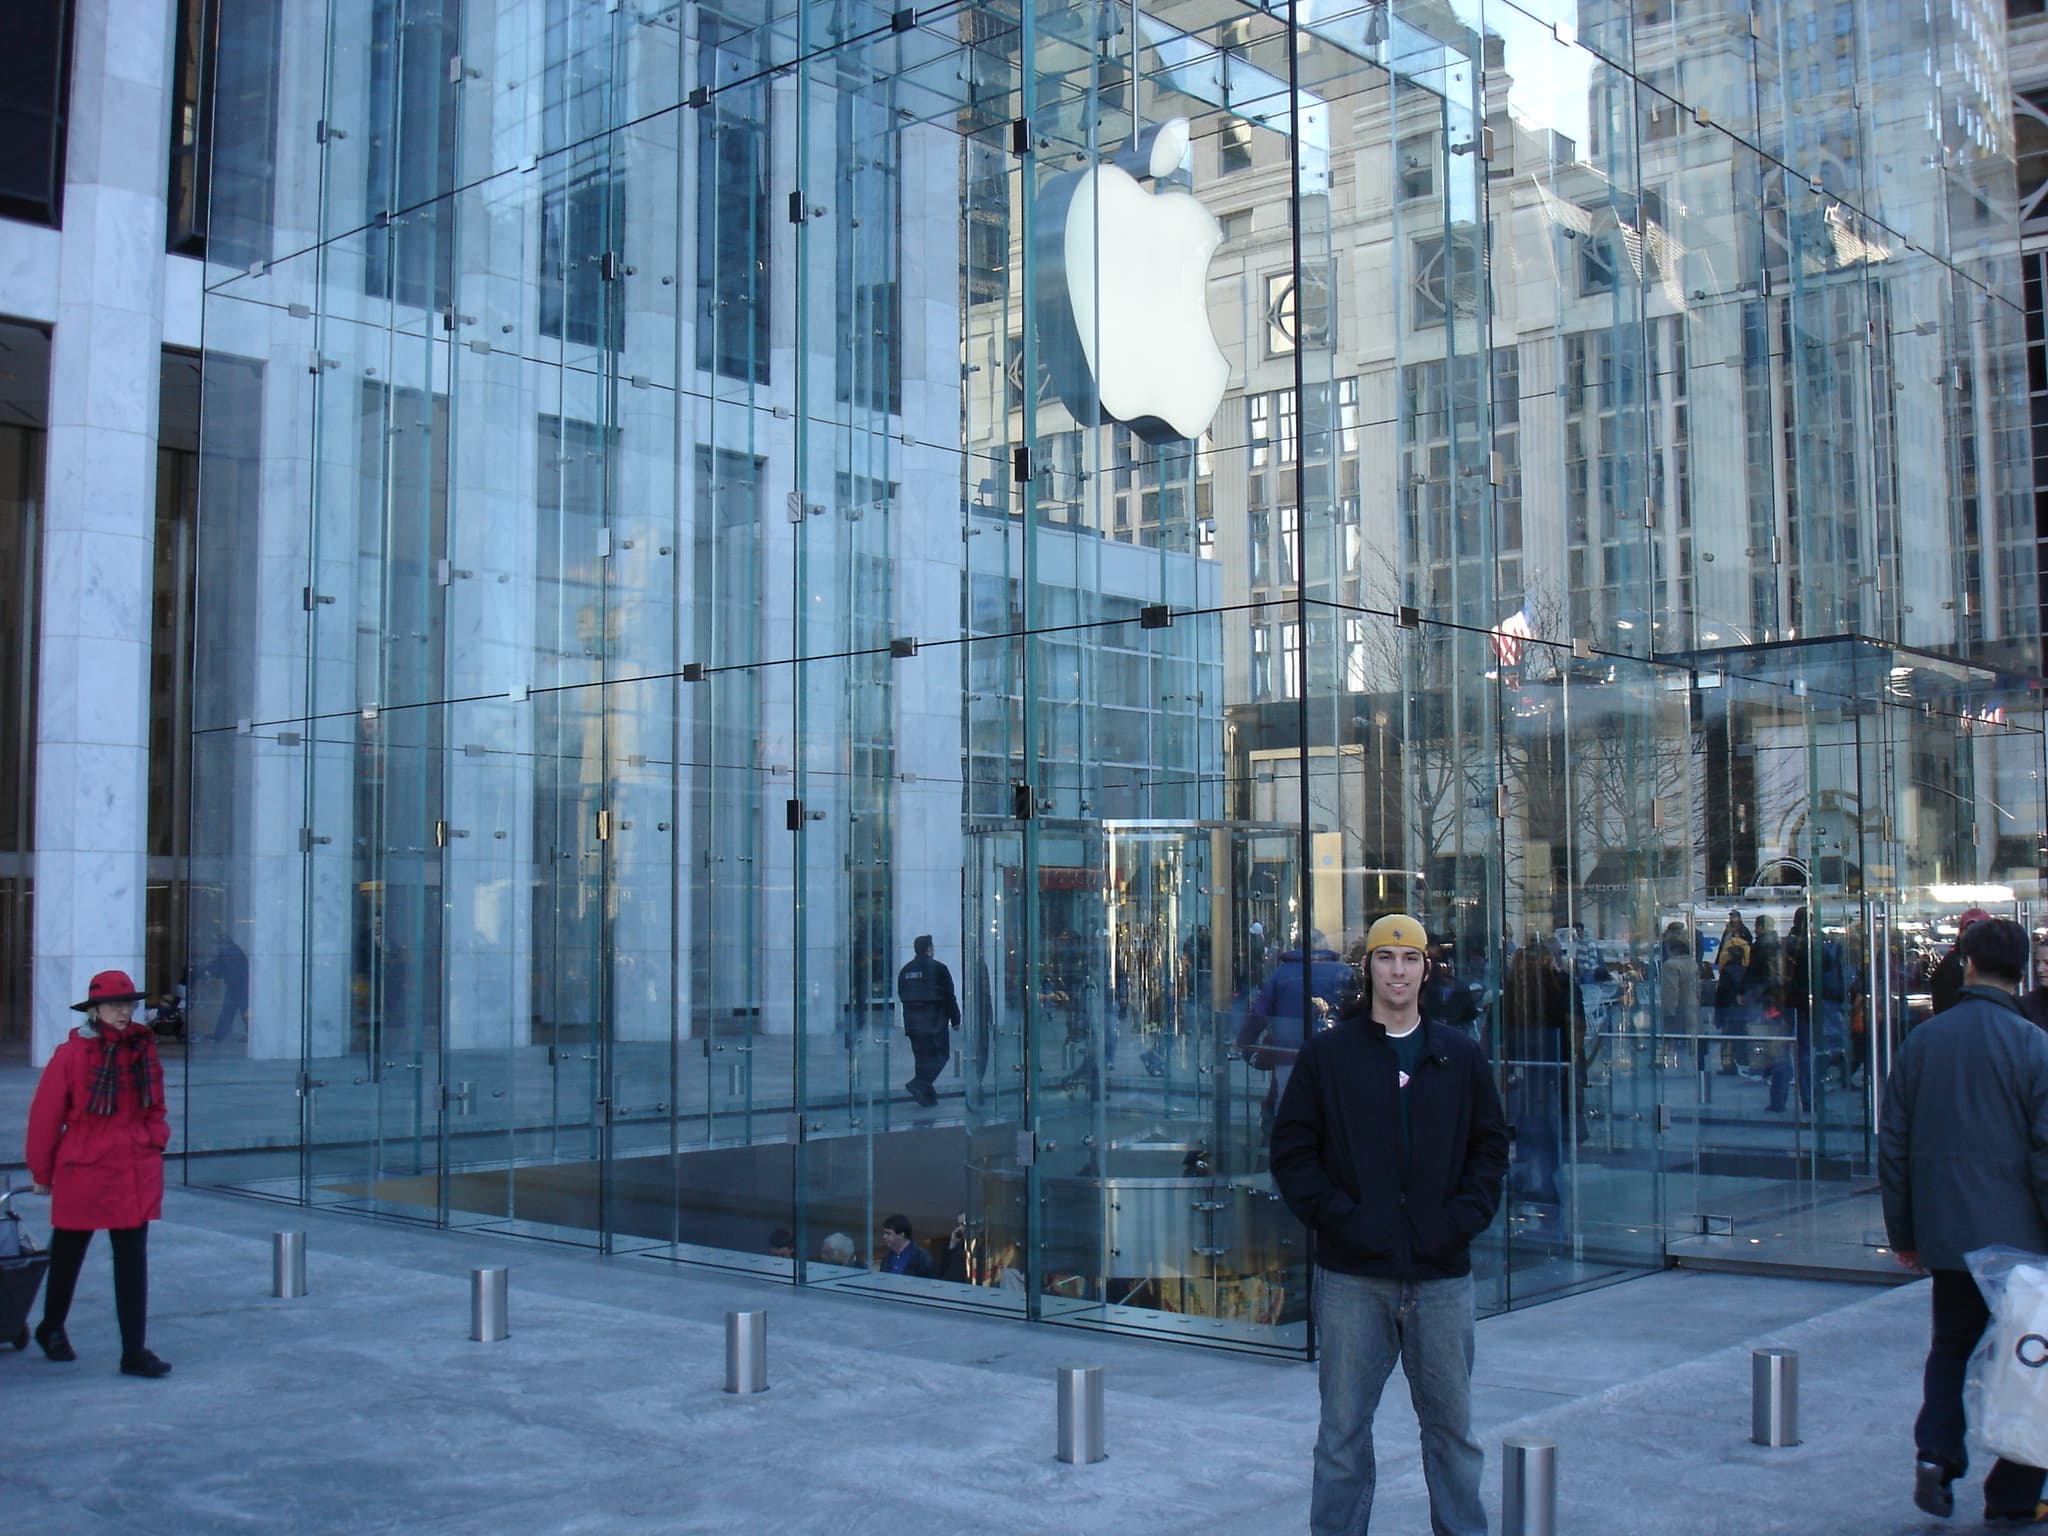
1963, 1159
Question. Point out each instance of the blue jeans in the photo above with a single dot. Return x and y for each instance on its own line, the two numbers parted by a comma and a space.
1362, 1326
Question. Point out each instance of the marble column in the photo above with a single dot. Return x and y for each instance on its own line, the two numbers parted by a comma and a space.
99, 510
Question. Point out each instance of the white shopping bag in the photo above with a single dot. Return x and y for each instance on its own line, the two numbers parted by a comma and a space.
2006, 1395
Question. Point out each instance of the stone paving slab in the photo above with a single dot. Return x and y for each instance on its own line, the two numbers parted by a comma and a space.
365, 1407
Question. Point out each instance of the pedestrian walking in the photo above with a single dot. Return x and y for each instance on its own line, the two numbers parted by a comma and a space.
925, 989
1963, 1160
1390, 1145
96, 1137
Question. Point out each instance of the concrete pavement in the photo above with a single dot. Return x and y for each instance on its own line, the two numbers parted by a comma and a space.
365, 1407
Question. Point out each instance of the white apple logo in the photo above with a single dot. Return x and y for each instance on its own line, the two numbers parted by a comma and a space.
1122, 303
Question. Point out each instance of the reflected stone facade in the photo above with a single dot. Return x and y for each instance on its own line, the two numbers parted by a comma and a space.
662, 548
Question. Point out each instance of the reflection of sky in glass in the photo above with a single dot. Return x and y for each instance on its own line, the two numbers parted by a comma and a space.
1552, 83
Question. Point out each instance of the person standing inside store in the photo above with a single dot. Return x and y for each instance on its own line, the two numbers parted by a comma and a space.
903, 1255
1946, 982
2035, 1003
1391, 1147
96, 1137
1963, 1161
925, 989
1535, 1022
1299, 997
1731, 1018
1804, 991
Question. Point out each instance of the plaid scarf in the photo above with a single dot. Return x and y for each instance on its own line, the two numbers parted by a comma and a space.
106, 1083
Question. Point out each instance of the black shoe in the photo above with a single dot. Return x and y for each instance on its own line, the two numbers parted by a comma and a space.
2038, 1515
54, 1343
143, 1363
1931, 1489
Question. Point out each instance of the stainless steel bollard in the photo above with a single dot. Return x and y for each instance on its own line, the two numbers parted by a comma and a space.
488, 1291
1774, 1397
1528, 1487
746, 1352
287, 1264
1080, 1395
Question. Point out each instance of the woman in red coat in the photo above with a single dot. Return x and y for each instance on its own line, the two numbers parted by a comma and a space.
96, 1137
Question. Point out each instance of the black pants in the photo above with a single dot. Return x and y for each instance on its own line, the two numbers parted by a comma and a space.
131, 1280
1960, 1317
929, 1048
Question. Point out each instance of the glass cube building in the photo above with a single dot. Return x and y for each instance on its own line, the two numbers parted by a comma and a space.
693, 498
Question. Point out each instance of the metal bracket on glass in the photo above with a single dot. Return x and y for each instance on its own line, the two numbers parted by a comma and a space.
699, 97
902, 648
1408, 617
1155, 616
1020, 135
903, 20
694, 672
1023, 803
1027, 1148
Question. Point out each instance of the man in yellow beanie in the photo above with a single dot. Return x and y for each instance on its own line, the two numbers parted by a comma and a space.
1391, 1147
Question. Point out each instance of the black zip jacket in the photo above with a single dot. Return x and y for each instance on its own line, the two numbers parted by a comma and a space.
1337, 1154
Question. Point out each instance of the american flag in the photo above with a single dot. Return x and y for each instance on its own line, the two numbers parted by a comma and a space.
1510, 636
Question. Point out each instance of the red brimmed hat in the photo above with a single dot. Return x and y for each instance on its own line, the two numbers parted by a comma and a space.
108, 987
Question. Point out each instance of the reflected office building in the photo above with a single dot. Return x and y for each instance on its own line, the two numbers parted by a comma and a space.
693, 498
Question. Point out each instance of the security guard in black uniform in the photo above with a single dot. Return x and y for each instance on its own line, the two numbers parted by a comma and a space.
925, 988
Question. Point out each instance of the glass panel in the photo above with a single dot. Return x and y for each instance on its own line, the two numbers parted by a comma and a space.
686, 490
